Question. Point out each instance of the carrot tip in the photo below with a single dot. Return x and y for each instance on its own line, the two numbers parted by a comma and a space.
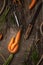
32, 4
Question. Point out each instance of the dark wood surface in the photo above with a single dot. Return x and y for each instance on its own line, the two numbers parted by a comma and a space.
12, 30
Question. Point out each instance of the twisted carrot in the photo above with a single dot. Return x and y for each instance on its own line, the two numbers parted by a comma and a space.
32, 4
13, 45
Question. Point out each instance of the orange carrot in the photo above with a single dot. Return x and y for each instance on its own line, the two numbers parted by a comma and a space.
1, 36
14, 50
16, 39
13, 45
10, 43
32, 4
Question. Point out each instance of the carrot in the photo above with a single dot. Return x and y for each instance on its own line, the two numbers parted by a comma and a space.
11, 41
32, 4
16, 39
14, 50
1, 36
13, 45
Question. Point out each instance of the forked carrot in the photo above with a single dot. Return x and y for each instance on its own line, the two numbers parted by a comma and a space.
13, 45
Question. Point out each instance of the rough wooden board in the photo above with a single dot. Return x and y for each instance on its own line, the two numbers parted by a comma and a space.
24, 44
